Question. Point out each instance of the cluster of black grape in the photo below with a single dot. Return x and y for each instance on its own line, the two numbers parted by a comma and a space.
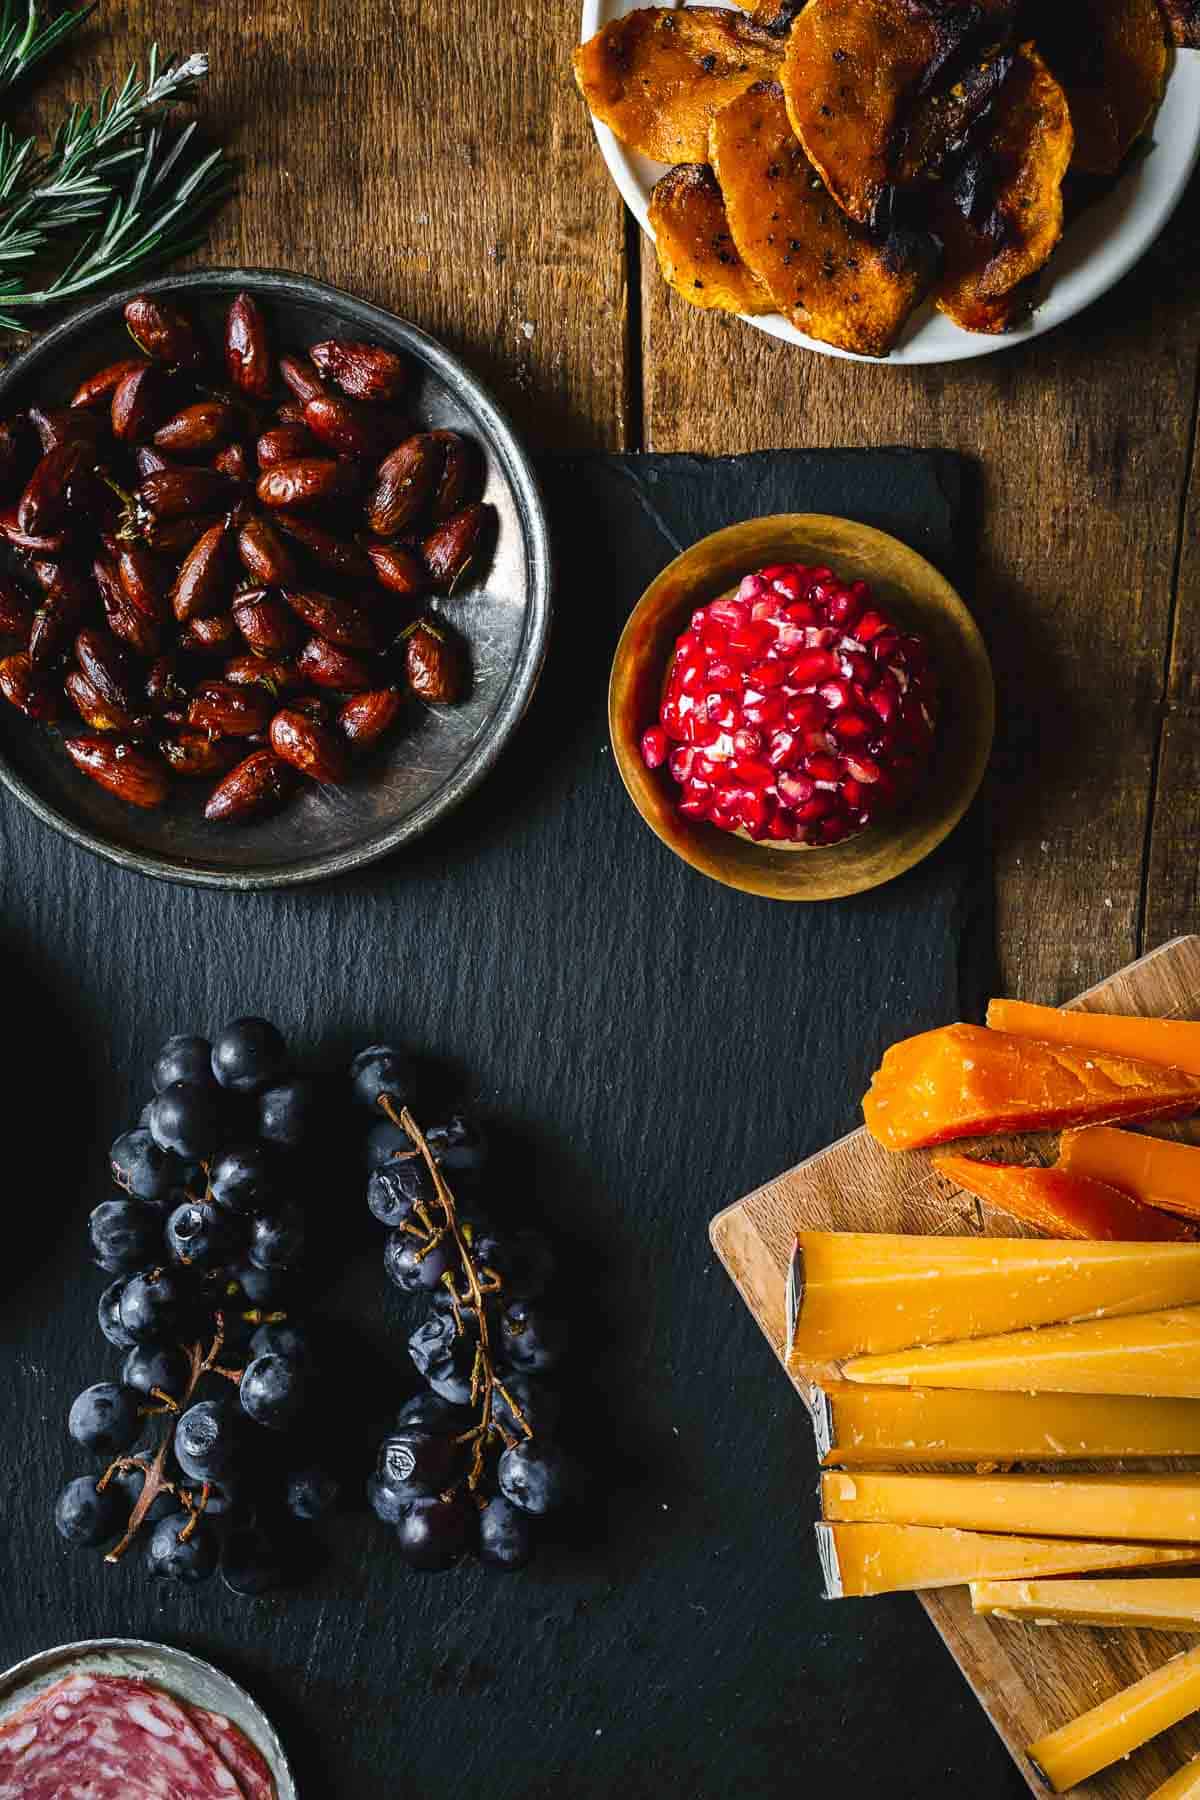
204, 1243
471, 1462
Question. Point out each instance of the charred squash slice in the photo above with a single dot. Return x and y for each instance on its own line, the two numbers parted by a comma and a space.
1111, 57
657, 77
696, 252
825, 273
1004, 215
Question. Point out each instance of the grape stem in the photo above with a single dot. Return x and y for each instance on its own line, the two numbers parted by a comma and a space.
155, 1482
485, 1383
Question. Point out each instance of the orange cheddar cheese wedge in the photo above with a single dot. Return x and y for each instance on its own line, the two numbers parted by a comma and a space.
1062, 1202
1184, 1784
857, 1560
1173, 1043
1106, 1733
966, 1081
1156, 1171
1130, 1509
1170, 1605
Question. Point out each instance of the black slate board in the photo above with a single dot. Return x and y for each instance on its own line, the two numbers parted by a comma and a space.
649, 1046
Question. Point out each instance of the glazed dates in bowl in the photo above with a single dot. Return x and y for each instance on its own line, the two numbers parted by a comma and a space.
273, 598
801, 707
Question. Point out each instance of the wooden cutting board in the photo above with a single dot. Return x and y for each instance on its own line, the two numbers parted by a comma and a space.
1028, 1678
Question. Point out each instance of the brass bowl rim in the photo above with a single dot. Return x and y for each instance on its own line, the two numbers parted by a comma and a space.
771, 872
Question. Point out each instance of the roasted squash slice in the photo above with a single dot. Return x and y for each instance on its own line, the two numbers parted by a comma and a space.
945, 121
696, 253
1111, 57
656, 77
855, 69
1183, 22
1003, 217
824, 272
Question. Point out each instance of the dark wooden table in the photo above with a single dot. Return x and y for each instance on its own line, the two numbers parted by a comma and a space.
445, 166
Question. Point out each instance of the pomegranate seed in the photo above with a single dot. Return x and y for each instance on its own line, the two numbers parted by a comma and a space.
754, 773
806, 713
857, 666
789, 641
852, 727
854, 795
802, 613
752, 639
779, 826
885, 645
722, 675
714, 640
816, 808
753, 587
654, 747
885, 696
843, 608
835, 694
820, 637
822, 767
768, 675
720, 710
704, 768
783, 749
789, 583
691, 681
697, 729
729, 613
861, 768
766, 710
811, 667
870, 625
672, 719
774, 570
681, 763
795, 790
747, 743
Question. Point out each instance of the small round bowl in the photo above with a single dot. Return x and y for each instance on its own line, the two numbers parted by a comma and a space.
438, 754
916, 596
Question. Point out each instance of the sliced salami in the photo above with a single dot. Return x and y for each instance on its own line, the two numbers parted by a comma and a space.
235, 1750
109, 1737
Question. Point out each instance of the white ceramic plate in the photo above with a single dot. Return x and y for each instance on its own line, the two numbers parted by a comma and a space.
1100, 247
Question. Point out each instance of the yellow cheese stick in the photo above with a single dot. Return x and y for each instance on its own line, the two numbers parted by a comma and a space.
858, 1425
1183, 1785
1117, 1726
1158, 1171
1161, 1509
887, 1559
1156, 1354
1170, 1605
852, 1292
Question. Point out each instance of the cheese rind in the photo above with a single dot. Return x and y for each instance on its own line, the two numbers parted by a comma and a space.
851, 1293
1062, 1202
1127, 1508
858, 1425
1172, 1043
1184, 1784
1155, 1354
1159, 1605
963, 1081
1157, 1171
857, 1560
1119, 1725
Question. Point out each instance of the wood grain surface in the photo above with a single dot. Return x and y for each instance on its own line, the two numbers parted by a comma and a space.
1028, 1679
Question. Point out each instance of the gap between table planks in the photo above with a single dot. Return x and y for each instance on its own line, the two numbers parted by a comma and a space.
1028, 1678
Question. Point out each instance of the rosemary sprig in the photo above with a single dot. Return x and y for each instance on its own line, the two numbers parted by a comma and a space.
112, 190
25, 41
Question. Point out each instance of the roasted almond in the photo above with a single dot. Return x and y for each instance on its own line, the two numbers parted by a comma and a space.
232, 460
403, 485
148, 461
214, 634
399, 569
168, 685
195, 429
452, 546
194, 753
325, 665
107, 667
433, 663
53, 628
364, 371
247, 353
365, 718
339, 556
306, 481
264, 555
340, 621
99, 387
133, 775
352, 427
162, 331
300, 377
32, 543
274, 673
16, 610
96, 713
173, 493
136, 403
307, 746
145, 579
65, 425
256, 786
265, 622
173, 538
204, 579
285, 443
226, 710
459, 473
142, 635
44, 505
30, 692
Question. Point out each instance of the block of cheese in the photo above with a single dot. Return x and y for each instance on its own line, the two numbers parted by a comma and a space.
1174, 1043
1156, 1354
1061, 1202
1184, 1784
858, 1425
857, 1560
964, 1081
1171, 1605
851, 1292
1162, 1509
1156, 1171
1119, 1725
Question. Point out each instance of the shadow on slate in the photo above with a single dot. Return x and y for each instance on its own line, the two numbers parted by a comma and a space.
650, 1046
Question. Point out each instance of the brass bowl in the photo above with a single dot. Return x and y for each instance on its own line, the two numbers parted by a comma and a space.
916, 596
